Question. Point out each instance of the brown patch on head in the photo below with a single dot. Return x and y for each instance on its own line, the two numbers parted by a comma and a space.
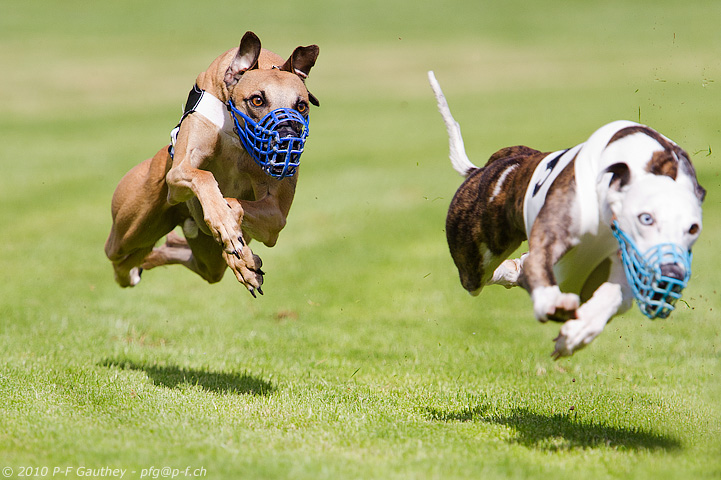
649, 132
667, 162
663, 162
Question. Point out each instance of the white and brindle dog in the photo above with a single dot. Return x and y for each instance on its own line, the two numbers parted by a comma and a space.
228, 175
607, 221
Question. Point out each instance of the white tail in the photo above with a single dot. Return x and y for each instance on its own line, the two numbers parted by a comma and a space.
457, 153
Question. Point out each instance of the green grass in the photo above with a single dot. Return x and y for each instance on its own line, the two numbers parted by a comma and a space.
365, 358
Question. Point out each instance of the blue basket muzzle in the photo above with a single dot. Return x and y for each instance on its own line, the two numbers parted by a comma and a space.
275, 142
657, 277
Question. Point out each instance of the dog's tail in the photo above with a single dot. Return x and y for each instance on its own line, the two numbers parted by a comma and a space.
457, 154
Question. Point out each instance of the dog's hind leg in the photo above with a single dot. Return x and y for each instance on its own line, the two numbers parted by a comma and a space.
177, 250
141, 216
127, 270
199, 253
481, 232
508, 272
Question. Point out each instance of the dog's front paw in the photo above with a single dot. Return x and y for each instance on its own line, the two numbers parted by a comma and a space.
574, 335
549, 303
223, 219
246, 267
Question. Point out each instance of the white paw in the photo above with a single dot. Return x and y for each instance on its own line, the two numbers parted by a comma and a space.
551, 303
134, 276
507, 273
574, 335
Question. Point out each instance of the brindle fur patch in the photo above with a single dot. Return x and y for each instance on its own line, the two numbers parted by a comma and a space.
481, 231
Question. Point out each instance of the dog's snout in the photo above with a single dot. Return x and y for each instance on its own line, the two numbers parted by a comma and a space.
673, 270
289, 129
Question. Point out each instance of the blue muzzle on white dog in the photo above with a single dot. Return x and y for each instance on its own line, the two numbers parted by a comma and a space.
657, 277
275, 142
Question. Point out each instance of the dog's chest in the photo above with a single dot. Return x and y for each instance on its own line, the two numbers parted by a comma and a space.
234, 175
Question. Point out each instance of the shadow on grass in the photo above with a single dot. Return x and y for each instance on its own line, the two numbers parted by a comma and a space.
173, 377
560, 431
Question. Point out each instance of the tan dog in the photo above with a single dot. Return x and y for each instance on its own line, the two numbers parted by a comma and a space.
212, 186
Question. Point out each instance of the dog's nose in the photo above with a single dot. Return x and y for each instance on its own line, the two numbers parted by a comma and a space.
673, 270
288, 129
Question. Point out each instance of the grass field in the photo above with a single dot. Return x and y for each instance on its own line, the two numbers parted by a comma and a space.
365, 358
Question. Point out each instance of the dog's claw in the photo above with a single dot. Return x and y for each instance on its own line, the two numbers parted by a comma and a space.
556, 354
242, 242
246, 267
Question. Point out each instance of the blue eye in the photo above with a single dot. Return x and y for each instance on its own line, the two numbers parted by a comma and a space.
646, 219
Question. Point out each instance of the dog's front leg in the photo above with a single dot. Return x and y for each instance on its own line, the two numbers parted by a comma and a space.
223, 216
537, 277
611, 298
185, 182
553, 234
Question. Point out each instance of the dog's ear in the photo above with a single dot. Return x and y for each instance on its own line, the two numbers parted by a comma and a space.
300, 62
620, 175
686, 167
246, 59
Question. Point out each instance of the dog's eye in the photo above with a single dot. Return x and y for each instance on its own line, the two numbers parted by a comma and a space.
694, 229
257, 101
646, 219
302, 107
